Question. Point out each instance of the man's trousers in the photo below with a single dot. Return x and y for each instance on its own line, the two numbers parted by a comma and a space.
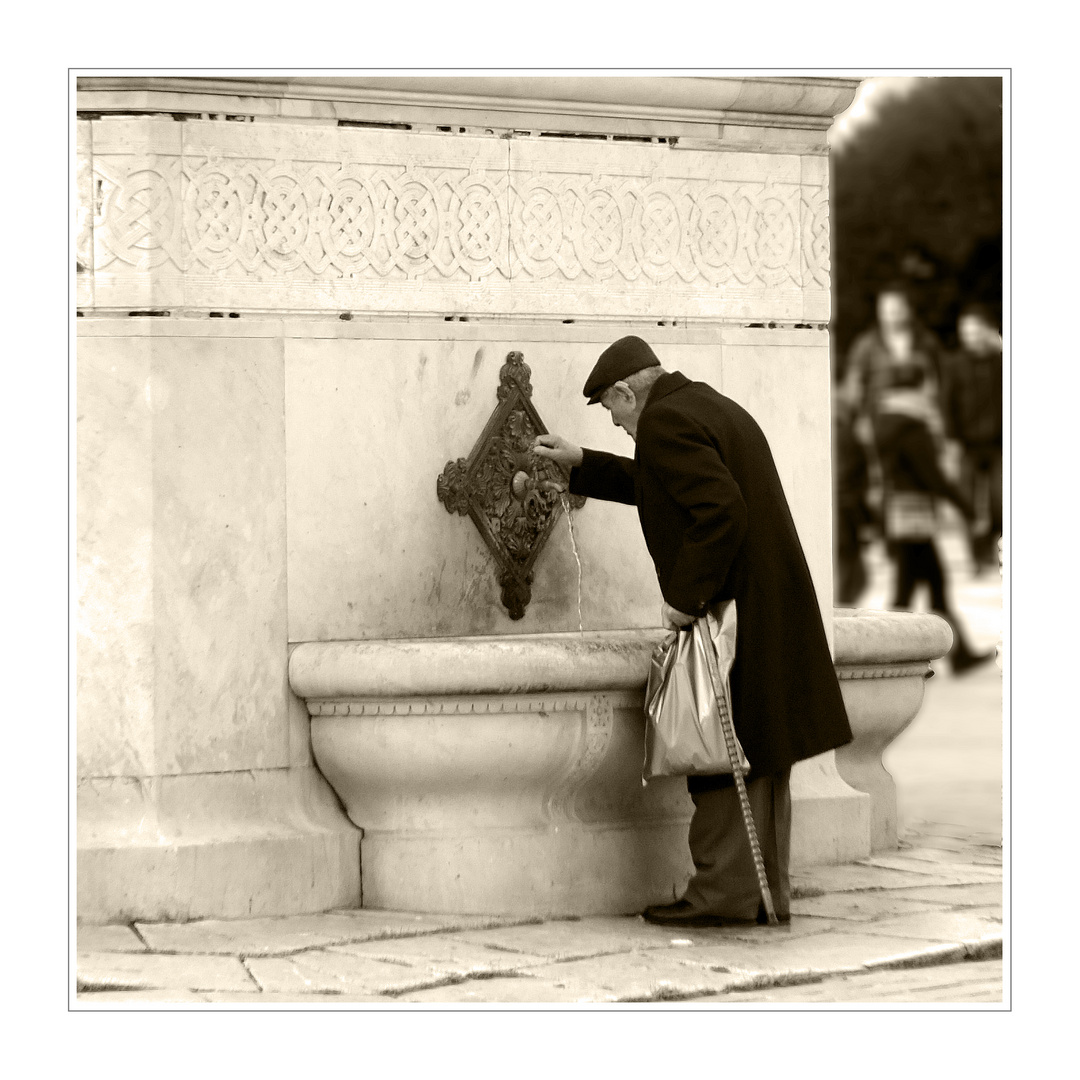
725, 881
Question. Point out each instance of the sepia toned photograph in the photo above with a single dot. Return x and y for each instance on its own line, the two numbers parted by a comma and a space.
540, 541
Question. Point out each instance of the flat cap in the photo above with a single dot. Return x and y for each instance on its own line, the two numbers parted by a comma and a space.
624, 357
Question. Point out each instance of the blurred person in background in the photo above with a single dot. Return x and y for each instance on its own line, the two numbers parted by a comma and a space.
971, 405
897, 337
852, 512
909, 441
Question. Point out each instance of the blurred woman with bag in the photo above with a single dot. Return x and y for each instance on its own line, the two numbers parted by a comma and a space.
908, 435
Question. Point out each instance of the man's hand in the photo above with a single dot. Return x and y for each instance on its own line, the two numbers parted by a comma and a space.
673, 619
557, 449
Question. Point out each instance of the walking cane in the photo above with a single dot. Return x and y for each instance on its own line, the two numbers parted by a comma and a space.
740, 783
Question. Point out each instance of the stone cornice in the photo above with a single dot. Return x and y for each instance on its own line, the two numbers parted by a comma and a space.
795, 101
868, 645
869, 638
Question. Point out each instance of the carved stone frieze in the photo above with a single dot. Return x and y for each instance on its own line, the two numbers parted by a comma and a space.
513, 497
317, 219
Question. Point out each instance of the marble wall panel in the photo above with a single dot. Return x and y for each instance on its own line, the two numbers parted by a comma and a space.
371, 423
221, 694
787, 390
114, 558
372, 552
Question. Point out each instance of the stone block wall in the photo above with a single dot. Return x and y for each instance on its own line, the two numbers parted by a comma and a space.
293, 315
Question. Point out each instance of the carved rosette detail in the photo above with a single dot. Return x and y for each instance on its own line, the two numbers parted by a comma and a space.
513, 497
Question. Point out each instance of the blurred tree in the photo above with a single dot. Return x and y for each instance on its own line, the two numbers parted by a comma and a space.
916, 196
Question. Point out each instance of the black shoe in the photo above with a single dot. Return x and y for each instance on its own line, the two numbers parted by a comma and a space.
965, 661
681, 913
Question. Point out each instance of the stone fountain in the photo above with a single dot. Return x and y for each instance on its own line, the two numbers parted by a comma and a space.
327, 655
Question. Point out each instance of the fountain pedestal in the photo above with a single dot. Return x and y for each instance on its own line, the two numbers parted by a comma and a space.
883, 662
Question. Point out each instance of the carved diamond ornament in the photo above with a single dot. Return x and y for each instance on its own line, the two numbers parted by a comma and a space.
513, 496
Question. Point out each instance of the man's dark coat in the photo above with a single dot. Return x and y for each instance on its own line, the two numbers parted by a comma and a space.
718, 527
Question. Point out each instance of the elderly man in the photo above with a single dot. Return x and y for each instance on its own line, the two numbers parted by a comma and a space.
718, 527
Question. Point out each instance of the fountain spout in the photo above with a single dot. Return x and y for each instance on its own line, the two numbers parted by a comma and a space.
522, 485
513, 495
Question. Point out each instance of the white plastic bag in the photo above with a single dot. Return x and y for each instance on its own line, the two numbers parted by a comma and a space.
683, 735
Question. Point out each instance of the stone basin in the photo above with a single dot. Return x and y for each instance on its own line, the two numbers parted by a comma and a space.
883, 661
502, 775
497, 774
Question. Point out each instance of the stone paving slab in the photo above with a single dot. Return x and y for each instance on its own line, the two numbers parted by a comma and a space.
264, 1000
985, 859
985, 894
954, 861
645, 975
951, 873
440, 954
147, 997
150, 971
941, 842
108, 939
862, 907
255, 1001
965, 925
291, 933
520, 991
854, 877
971, 981
433, 923
917, 829
322, 971
566, 939
820, 952
800, 926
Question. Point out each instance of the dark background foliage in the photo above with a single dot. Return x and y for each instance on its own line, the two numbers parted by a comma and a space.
916, 196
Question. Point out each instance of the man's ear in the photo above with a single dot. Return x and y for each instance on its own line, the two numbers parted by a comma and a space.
623, 390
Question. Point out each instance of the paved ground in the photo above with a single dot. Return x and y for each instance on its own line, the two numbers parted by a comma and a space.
919, 925
933, 904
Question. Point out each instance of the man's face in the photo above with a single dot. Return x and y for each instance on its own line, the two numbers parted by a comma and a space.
621, 403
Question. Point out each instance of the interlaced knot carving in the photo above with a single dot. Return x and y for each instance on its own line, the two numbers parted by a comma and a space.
513, 497
231, 217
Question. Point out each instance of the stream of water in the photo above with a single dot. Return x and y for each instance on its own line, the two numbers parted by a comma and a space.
573, 544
